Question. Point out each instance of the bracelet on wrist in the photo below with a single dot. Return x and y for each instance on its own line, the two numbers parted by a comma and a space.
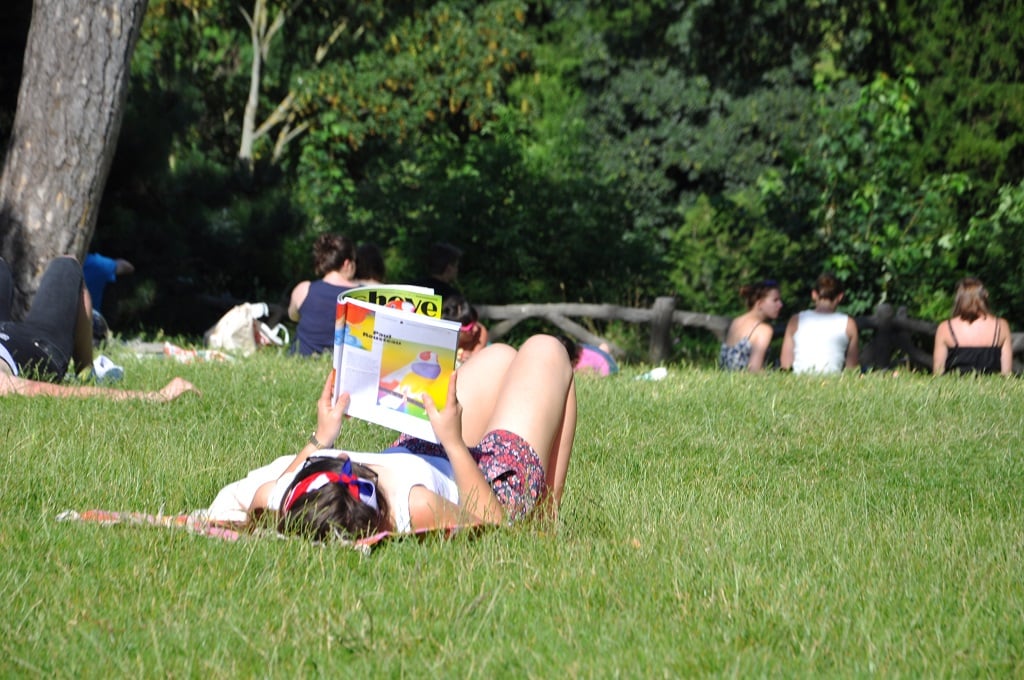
316, 442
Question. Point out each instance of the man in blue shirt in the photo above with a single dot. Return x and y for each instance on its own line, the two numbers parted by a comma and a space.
100, 270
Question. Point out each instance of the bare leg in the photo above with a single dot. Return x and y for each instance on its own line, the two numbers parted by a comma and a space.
558, 467
537, 401
6, 291
62, 311
480, 378
81, 350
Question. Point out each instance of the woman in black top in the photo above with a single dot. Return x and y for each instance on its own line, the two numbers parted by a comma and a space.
973, 340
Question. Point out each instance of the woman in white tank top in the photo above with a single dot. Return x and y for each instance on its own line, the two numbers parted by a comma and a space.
821, 340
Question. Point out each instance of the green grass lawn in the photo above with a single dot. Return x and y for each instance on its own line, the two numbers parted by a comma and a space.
714, 524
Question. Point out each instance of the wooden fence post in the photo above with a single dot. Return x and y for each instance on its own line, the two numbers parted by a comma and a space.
878, 352
661, 329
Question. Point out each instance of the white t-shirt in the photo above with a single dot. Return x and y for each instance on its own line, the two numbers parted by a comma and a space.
820, 342
406, 470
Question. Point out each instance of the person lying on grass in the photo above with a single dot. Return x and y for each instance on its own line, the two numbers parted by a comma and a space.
56, 331
505, 433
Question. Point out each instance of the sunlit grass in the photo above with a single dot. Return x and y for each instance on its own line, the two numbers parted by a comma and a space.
713, 524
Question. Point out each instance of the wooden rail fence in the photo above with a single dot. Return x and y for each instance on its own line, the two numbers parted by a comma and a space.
892, 331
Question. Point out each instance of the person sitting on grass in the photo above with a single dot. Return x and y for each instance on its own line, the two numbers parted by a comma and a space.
312, 303
56, 331
370, 268
472, 334
821, 340
750, 334
973, 340
442, 270
505, 432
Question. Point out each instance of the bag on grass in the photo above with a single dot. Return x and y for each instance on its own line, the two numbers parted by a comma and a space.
240, 330
277, 336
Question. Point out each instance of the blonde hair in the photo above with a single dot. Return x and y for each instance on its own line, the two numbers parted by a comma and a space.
971, 301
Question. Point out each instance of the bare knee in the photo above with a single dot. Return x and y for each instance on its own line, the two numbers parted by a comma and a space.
543, 342
548, 348
496, 349
490, 362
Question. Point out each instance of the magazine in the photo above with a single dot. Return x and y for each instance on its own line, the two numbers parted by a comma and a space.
387, 358
418, 299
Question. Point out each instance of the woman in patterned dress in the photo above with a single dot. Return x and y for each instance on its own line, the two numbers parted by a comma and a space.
746, 341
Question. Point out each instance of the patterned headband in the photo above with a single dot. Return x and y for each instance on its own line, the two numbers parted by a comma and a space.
360, 489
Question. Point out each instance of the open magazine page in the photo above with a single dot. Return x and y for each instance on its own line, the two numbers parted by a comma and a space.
387, 359
416, 299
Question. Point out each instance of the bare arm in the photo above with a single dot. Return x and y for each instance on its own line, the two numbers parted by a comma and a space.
329, 419
299, 294
759, 342
1006, 348
853, 349
81, 350
786, 359
123, 267
428, 510
481, 340
476, 496
941, 349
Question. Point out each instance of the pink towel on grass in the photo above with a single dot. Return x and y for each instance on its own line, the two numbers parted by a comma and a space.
197, 523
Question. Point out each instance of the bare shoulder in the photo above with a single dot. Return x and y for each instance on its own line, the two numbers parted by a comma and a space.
298, 296
422, 514
428, 510
763, 333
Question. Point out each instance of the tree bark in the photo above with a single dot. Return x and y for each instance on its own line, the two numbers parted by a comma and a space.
70, 105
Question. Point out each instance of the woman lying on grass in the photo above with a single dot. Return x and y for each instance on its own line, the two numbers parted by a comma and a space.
505, 433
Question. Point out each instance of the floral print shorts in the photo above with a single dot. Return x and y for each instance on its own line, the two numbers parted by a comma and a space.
508, 462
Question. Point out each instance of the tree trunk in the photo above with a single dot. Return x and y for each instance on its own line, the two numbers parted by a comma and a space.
70, 104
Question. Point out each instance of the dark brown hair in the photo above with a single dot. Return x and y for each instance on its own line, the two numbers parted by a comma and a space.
828, 287
330, 252
330, 511
369, 262
440, 256
457, 308
572, 348
756, 292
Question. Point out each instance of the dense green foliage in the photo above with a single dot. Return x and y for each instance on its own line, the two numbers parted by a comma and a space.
585, 150
714, 524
